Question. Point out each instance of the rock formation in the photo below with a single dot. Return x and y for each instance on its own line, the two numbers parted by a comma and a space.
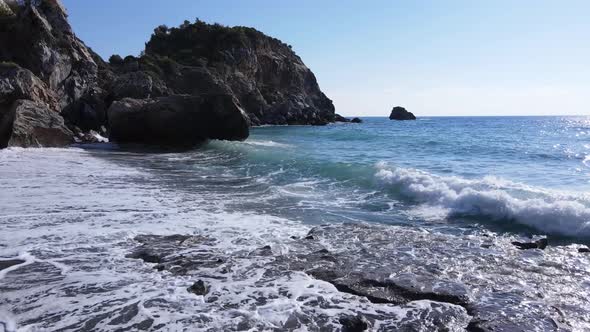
340, 118
54, 89
45, 63
271, 82
178, 119
400, 113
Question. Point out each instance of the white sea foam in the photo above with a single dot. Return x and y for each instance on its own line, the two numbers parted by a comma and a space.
550, 212
267, 143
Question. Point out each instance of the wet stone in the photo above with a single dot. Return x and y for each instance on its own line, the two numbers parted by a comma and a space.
354, 324
199, 288
263, 251
584, 250
539, 244
4, 264
145, 255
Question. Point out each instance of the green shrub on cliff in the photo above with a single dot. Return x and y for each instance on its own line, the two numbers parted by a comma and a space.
190, 43
115, 59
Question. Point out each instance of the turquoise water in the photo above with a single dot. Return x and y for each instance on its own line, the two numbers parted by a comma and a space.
529, 174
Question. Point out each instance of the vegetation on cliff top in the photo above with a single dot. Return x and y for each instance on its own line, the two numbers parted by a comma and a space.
191, 43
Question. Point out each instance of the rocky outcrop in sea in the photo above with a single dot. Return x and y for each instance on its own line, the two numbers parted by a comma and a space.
54, 90
400, 113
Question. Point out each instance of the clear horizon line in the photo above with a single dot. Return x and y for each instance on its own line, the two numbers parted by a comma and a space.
473, 116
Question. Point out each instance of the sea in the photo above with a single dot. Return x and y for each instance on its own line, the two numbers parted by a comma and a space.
434, 203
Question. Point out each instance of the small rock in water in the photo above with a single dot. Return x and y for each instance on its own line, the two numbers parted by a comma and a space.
263, 251
8, 263
356, 120
584, 249
146, 256
354, 324
309, 237
198, 288
539, 244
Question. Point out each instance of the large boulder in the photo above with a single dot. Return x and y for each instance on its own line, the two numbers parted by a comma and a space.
138, 84
31, 124
178, 119
400, 113
29, 111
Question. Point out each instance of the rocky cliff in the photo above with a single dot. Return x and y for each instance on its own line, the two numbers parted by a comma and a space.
271, 82
53, 88
46, 67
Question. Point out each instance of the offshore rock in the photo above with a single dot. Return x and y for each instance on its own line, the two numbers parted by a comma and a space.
400, 113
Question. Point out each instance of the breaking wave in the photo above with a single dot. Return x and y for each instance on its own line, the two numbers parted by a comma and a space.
556, 213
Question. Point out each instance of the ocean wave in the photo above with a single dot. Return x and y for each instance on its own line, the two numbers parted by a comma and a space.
557, 213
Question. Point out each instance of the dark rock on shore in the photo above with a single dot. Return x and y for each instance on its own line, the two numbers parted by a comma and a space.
539, 244
32, 124
400, 113
29, 111
4, 264
354, 324
356, 120
372, 275
199, 288
178, 119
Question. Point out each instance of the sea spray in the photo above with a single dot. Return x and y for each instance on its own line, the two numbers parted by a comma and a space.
554, 213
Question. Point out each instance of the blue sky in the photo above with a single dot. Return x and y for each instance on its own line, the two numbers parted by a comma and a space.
454, 57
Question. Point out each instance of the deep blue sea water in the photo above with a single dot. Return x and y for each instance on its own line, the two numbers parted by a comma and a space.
434, 203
